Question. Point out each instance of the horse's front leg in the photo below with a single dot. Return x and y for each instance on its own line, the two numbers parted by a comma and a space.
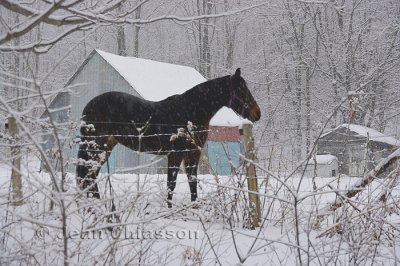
87, 172
90, 159
174, 162
192, 179
191, 164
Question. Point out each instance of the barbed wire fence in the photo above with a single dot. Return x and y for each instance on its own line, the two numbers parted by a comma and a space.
365, 222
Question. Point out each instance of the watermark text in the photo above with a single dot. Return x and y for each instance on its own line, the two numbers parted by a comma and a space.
120, 233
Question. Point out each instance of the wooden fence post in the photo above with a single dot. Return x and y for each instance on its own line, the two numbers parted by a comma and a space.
254, 199
16, 181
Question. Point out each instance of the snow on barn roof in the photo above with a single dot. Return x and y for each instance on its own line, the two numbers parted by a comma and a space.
367, 132
155, 81
323, 159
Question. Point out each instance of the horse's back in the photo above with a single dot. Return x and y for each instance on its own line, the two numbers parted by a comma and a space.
116, 107
127, 117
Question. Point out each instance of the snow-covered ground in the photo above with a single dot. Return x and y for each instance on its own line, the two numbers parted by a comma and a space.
146, 232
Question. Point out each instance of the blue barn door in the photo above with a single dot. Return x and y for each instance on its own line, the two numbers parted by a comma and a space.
223, 156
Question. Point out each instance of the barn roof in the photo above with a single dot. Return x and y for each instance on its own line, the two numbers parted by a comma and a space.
153, 80
156, 81
365, 132
323, 159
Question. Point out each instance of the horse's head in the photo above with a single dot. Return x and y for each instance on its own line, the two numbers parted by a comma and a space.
241, 100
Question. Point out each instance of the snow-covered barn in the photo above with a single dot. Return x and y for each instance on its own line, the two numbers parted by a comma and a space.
102, 72
358, 148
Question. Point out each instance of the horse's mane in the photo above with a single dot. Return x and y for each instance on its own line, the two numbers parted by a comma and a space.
203, 87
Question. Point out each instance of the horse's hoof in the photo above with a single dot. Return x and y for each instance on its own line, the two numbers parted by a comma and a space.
195, 206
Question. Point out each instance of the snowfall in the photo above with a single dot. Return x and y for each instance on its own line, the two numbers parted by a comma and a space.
143, 231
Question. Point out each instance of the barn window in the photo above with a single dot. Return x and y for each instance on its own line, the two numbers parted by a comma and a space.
333, 172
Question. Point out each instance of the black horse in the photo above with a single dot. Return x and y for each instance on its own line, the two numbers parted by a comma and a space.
176, 127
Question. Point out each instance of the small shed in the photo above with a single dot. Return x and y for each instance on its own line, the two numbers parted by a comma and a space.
358, 148
102, 72
223, 145
322, 166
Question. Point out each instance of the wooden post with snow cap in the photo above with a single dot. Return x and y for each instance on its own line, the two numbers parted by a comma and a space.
254, 199
16, 181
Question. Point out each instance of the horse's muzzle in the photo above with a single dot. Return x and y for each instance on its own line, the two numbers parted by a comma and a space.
254, 113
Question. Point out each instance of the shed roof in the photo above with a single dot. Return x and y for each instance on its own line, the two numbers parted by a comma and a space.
155, 81
323, 159
366, 132
226, 117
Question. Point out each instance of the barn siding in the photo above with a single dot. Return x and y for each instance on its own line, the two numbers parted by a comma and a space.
95, 78
124, 160
352, 156
323, 170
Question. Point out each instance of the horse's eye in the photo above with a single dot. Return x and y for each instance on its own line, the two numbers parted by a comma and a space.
246, 105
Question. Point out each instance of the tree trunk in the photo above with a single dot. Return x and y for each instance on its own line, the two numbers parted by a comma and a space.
136, 34
121, 40
16, 181
204, 8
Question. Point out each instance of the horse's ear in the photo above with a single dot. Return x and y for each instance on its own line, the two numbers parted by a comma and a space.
236, 76
237, 73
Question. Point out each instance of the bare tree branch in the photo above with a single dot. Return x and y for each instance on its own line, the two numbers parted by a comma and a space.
33, 23
85, 20
359, 187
